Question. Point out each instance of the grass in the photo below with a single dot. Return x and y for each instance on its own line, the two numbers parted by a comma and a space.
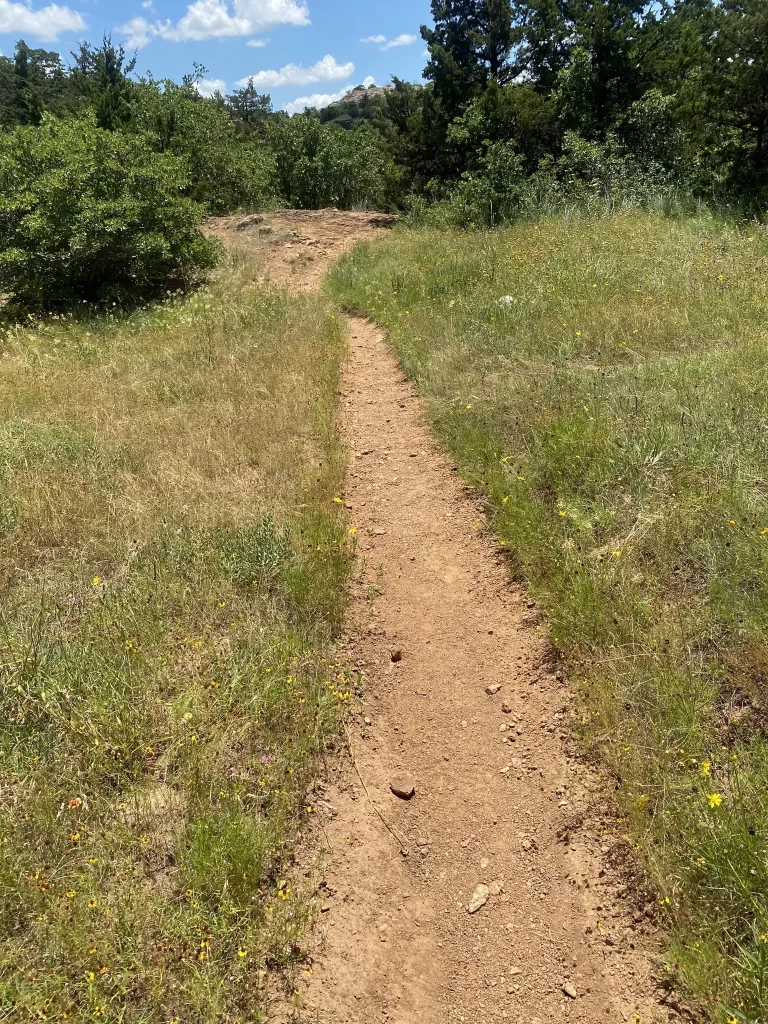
603, 382
173, 568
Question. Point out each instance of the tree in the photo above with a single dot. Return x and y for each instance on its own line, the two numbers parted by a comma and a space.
472, 42
735, 81
250, 108
101, 75
227, 172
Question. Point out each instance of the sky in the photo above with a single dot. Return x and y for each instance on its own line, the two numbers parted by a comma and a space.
301, 52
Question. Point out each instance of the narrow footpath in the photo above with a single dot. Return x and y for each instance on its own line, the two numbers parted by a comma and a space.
497, 891
460, 704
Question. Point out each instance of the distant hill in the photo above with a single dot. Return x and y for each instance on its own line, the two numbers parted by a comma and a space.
361, 93
360, 104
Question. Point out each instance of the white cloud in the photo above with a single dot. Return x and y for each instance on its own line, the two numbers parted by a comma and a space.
369, 81
209, 86
218, 19
148, 5
401, 40
317, 99
326, 70
257, 44
47, 23
138, 32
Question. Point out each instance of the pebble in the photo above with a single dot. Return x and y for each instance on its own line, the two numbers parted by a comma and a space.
396, 656
570, 990
421, 842
404, 786
493, 689
514, 971
479, 898
506, 707
495, 888
484, 863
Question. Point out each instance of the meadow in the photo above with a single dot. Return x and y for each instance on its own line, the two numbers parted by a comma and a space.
173, 563
602, 382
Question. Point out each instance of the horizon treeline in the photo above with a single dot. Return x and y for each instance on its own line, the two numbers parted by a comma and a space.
529, 107
674, 94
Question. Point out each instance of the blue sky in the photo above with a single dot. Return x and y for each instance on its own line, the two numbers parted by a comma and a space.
299, 51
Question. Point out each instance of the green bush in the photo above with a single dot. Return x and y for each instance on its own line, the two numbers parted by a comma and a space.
323, 165
93, 216
227, 171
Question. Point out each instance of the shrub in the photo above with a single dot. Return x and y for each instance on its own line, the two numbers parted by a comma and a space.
95, 216
324, 165
227, 171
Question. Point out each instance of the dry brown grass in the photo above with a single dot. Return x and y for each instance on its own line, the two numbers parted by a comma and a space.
173, 567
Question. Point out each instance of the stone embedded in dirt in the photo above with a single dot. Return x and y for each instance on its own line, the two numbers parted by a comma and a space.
495, 888
422, 842
570, 990
404, 786
506, 707
531, 604
514, 971
484, 863
396, 656
479, 899
527, 845
493, 689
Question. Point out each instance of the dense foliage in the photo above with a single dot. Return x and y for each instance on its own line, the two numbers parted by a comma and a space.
91, 215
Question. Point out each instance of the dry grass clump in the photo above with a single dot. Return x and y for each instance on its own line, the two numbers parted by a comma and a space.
604, 383
173, 567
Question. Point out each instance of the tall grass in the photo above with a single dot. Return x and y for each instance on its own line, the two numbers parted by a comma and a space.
173, 568
603, 382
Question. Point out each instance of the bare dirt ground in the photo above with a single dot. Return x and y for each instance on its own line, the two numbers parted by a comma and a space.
460, 698
296, 247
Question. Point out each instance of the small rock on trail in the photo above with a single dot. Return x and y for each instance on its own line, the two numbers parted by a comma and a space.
479, 899
403, 786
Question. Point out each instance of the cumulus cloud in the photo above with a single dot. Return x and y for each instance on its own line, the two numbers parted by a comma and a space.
47, 23
317, 99
138, 32
218, 19
389, 44
401, 40
210, 86
369, 81
326, 70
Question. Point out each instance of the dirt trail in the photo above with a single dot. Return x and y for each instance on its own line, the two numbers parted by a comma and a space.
459, 697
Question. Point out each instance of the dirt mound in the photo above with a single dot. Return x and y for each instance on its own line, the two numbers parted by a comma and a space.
297, 247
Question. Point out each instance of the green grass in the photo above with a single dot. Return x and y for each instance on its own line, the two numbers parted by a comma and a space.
613, 407
173, 569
